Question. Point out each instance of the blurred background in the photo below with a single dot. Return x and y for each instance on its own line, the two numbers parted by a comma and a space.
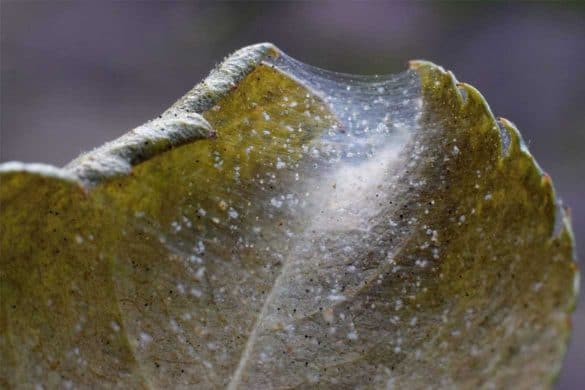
77, 74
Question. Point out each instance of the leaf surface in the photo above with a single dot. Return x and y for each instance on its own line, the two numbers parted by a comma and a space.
282, 226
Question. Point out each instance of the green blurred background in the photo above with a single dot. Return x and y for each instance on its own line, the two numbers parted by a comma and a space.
77, 74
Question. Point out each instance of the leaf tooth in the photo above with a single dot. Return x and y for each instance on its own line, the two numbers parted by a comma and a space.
514, 136
224, 77
439, 83
117, 157
475, 105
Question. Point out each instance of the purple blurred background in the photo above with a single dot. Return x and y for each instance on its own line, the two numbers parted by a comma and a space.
77, 74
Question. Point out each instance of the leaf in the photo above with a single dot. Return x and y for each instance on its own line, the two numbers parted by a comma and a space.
282, 226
